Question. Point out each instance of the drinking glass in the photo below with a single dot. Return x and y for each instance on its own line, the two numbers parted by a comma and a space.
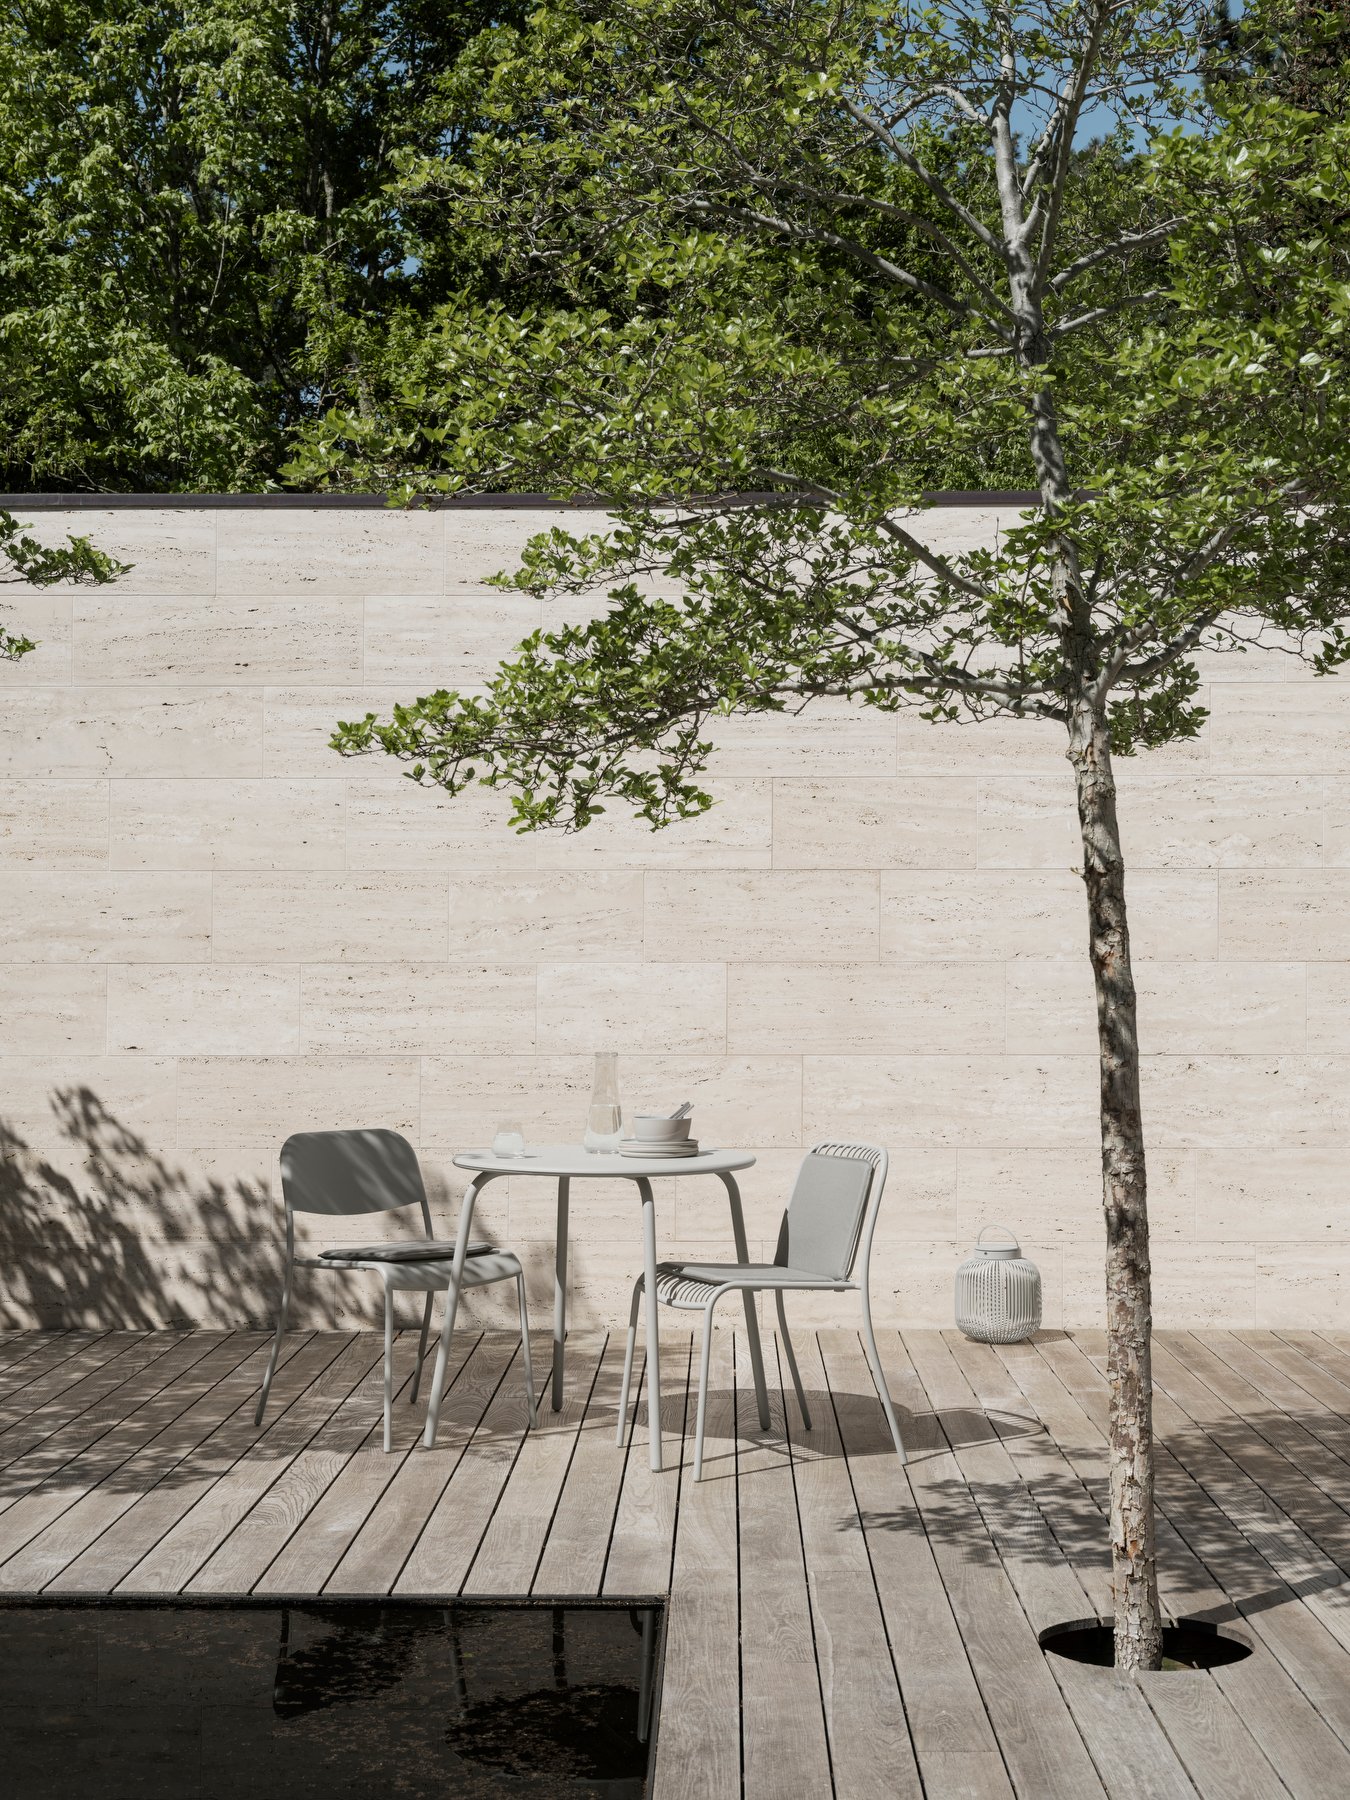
509, 1139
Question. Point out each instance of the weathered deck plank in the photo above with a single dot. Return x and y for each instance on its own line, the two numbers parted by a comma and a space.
782, 1714
55, 1481
49, 1350
837, 1626
640, 1547
698, 1749
176, 1558
1041, 1744
1037, 1539
444, 1553
579, 1537
101, 1487
871, 1752
240, 1561
954, 1742
308, 1560
1294, 1692
380, 1549
124, 1519
511, 1547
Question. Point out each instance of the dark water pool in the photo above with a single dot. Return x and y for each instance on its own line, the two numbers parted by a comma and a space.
326, 1700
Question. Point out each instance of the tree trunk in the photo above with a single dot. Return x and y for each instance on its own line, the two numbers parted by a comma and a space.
1129, 1305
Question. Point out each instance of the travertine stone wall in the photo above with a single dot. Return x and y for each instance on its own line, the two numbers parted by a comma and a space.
214, 932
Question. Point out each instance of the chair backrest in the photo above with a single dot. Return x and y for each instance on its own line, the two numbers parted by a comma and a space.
347, 1172
833, 1209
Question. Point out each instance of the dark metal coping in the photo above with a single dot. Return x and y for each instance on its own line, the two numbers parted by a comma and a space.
30, 503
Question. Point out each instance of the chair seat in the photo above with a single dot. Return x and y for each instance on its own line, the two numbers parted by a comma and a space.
692, 1284
408, 1250
424, 1275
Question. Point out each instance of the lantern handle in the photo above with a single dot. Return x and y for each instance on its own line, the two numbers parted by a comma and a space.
1010, 1235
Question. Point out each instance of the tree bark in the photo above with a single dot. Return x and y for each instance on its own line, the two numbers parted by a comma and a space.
1129, 1305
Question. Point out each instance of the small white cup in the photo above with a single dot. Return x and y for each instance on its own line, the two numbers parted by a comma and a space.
509, 1139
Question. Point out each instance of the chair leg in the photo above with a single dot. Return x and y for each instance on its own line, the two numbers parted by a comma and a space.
705, 1356
388, 1369
442, 1361
282, 1313
792, 1358
878, 1377
421, 1348
628, 1362
525, 1350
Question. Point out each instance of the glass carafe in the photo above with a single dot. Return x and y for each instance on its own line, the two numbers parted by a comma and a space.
604, 1123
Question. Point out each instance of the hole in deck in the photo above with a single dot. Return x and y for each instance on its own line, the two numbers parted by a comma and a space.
327, 1699
1187, 1645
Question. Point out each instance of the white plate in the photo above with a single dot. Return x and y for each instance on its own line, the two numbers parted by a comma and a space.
635, 1147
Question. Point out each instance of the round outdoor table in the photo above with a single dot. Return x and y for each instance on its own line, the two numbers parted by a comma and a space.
567, 1163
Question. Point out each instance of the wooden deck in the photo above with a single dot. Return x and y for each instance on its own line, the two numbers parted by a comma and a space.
834, 1628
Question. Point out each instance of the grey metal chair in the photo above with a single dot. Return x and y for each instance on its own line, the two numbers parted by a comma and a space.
826, 1232
346, 1173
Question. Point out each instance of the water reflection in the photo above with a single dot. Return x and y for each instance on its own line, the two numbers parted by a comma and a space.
326, 1700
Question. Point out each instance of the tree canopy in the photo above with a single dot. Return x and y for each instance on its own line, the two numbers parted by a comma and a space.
224, 220
194, 221
927, 304
1292, 50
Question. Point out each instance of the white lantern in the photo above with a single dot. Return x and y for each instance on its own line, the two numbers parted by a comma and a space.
998, 1292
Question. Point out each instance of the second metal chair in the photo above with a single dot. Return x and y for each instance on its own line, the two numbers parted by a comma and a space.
826, 1232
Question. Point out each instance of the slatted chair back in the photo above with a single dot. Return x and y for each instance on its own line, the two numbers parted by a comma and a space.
832, 1210
343, 1173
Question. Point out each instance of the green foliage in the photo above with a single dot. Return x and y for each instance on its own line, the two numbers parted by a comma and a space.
1161, 346
1297, 51
622, 159
39, 565
194, 223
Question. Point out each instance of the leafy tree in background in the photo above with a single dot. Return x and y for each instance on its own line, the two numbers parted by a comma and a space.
1297, 51
784, 343
194, 225
1171, 368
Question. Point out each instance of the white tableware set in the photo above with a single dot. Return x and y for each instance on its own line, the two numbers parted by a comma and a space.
657, 1136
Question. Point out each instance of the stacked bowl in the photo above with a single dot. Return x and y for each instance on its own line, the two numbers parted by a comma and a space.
655, 1136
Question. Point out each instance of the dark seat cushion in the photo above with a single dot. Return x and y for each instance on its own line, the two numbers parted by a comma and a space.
418, 1250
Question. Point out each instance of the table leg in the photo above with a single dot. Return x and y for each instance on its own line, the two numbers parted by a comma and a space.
751, 1316
653, 1321
560, 1293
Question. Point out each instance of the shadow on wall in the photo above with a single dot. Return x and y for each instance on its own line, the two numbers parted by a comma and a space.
115, 1237
100, 1231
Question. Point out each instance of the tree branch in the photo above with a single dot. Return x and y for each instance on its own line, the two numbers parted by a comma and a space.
1125, 246
1064, 122
1105, 312
942, 680
1164, 658
1000, 125
933, 562
936, 187
945, 91
842, 199
1118, 668
881, 265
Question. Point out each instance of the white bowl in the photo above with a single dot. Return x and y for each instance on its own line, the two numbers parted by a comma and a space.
654, 1130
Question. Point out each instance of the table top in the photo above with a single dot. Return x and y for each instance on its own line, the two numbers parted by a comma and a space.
571, 1159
